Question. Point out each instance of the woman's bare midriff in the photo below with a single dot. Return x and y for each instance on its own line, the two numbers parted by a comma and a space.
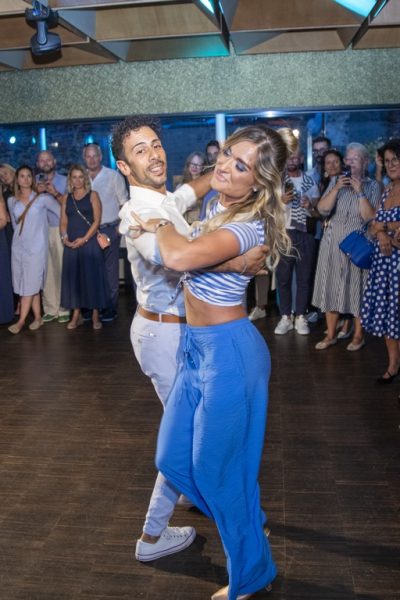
202, 314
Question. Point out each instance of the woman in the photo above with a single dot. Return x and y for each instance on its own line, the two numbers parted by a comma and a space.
6, 291
211, 435
84, 281
194, 167
7, 180
28, 211
338, 289
380, 313
332, 166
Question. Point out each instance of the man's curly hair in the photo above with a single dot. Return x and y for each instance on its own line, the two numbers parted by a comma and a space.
121, 130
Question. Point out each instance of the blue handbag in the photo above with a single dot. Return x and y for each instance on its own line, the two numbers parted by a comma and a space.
358, 248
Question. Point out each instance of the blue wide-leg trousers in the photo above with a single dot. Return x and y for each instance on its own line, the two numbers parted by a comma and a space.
211, 438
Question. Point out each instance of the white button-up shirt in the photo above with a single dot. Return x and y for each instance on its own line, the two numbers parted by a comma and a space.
111, 188
156, 286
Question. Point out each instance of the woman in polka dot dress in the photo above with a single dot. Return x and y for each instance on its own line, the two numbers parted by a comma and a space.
380, 313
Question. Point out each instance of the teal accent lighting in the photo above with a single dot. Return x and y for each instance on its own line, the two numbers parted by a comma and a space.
42, 139
361, 7
208, 5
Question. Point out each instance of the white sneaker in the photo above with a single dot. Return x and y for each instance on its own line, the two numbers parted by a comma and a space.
172, 539
284, 325
301, 325
257, 313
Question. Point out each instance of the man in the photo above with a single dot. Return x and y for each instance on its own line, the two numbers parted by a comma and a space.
110, 186
301, 196
319, 146
158, 326
51, 182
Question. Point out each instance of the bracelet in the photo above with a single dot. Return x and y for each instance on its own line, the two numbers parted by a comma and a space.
360, 195
63, 236
162, 223
243, 271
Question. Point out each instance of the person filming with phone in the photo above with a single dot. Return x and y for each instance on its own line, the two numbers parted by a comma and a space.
49, 181
349, 201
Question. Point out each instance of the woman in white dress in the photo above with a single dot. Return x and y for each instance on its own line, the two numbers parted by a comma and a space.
28, 212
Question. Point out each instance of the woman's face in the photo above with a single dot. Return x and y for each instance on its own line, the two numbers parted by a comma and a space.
24, 179
392, 165
355, 160
77, 180
332, 165
196, 166
6, 176
234, 175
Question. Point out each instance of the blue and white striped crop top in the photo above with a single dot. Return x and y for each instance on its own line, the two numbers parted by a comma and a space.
227, 289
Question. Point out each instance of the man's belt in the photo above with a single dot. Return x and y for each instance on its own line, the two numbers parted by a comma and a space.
160, 317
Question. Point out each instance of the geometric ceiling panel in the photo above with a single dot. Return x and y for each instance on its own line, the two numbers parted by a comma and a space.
106, 31
384, 30
291, 41
148, 22
254, 15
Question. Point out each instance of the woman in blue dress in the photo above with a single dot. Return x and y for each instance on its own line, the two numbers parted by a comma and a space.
84, 282
28, 212
212, 431
380, 312
6, 291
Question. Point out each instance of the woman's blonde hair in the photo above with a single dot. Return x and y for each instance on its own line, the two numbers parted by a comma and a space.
273, 150
81, 168
7, 166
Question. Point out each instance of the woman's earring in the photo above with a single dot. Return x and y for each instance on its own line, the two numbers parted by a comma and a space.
255, 190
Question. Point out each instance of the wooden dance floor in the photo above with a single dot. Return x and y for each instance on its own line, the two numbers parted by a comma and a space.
78, 424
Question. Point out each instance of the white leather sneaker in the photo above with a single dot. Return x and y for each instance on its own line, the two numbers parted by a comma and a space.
284, 325
301, 325
172, 539
257, 313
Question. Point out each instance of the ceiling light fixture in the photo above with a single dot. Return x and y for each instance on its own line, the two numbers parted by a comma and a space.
208, 5
361, 7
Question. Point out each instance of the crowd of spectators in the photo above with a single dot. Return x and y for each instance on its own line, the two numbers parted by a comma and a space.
50, 257
51, 261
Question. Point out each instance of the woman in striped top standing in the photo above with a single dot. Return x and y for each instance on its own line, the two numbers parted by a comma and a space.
212, 432
349, 201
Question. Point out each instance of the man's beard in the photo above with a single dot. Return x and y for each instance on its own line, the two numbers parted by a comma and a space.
47, 170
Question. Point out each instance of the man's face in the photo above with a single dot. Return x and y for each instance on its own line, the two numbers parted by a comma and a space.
294, 162
212, 154
318, 151
145, 161
92, 157
46, 162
